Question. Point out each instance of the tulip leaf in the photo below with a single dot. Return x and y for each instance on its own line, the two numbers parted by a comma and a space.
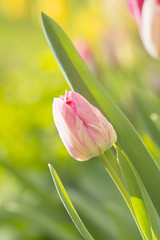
68, 205
134, 194
135, 203
150, 114
153, 215
136, 197
82, 80
142, 204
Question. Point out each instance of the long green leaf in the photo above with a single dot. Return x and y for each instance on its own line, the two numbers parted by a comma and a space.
153, 215
146, 109
142, 225
136, 197
135, 186
109, 217
81, 80
68, 205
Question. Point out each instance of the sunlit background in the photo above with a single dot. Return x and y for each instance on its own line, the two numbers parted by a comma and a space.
107, 38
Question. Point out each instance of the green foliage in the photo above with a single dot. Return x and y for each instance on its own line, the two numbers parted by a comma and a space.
144, 172
68, 205
29, 207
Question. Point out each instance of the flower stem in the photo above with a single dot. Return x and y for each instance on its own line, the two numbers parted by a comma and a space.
122, 188
116, 179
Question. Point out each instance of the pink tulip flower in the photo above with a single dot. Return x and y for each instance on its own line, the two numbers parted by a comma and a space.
83, 129
147, 15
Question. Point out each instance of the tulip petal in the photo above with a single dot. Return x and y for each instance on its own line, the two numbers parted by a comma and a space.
98, 128
150, 30
73, 132
135, 7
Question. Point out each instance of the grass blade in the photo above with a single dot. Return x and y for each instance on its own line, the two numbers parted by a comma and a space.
68, 205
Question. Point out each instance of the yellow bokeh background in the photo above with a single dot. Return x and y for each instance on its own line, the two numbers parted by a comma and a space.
30, 78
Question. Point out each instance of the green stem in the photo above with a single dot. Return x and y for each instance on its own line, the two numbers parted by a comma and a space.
115, 178
120, 186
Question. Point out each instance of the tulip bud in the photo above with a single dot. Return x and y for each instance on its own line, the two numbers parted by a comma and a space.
147, 15
83, 129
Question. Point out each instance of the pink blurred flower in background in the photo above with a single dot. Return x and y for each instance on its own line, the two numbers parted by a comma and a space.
147, 15
85, 51
83, 129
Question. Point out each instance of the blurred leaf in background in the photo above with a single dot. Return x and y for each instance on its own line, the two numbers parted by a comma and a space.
30, 78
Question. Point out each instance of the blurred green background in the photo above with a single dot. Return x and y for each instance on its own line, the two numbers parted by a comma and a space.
29, 80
